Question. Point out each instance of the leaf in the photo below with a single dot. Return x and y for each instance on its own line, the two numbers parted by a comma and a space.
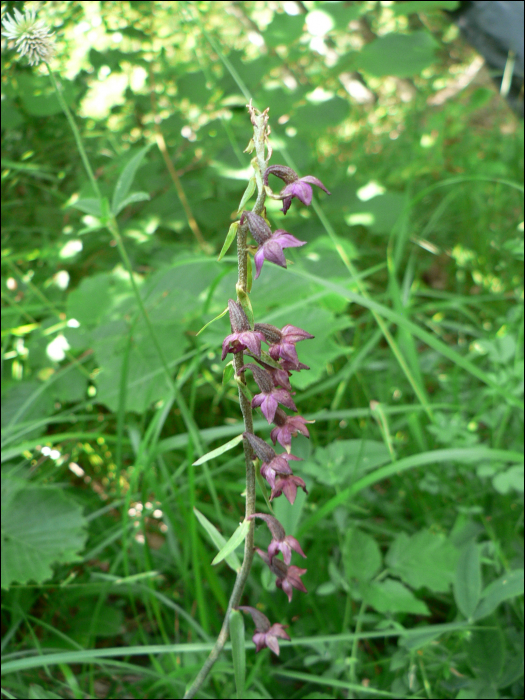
505, 587
238, 650
467, 584
218, 451
125, 180
362, 556
218, 540
284, 29
402, 55
246, 304
223, 313
232, 232
88, 206
41, 527
425, 559
227, 374
235, 540
131, 199
391, 596
247, 194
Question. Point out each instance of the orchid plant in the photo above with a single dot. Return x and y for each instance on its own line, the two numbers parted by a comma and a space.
271, 370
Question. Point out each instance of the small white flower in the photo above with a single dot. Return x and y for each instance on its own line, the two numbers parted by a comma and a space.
31, 36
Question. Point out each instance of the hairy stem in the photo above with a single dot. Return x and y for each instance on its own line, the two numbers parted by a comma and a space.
260, 130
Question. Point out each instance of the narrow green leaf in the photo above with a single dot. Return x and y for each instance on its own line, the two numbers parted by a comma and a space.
218, 540
213, 319
238, 650
232, 232
507, 586
467, 584
249, 274
247, 393
246, 304
218, 451
126, 180
235, 540
247, 194
227, 374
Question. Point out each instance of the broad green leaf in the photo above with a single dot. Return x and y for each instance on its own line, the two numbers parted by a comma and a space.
361, 556
344, 461
425, 6
235, 540
467, 584
425, 559
485, 653
284, 29
402, 55
131, 199
218, 451
505, 587
238, 651
218, 540
125, 180
42, 526
247, 194
88, 206
392, 597
230, 236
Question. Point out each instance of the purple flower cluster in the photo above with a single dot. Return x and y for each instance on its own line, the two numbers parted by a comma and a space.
272, 371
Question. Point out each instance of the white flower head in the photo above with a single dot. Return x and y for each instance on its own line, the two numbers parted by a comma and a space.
31, 36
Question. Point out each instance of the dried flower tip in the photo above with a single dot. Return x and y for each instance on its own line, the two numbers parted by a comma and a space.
31, 36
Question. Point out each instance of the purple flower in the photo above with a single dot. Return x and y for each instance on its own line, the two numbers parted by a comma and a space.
280, 377
270, 396
282, 342
280, 541
242, 337
288, 577
288, 427
272, 463
270, 244
295, 186
287, 484
265, 634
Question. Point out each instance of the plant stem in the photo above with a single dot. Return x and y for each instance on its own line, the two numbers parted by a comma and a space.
260, 126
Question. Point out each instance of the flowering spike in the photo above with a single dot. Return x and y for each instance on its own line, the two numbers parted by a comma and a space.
288, 577
242, 337
295, 186
280, 541
265, 634
288, 427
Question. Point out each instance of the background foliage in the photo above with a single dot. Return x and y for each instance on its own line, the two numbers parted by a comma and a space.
411, 282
